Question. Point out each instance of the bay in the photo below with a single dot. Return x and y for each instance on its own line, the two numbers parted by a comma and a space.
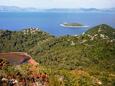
50, 21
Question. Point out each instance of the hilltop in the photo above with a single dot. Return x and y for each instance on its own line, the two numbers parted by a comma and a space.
102, 29
21, 40
84, 60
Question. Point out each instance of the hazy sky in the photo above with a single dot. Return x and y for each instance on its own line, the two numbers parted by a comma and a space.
60, 3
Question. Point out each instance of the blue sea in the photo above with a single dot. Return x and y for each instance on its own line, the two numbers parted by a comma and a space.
50, 21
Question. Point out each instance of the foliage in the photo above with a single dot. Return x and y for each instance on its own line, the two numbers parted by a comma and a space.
85, 60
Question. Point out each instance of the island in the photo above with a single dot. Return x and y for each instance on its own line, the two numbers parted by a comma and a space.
72, 25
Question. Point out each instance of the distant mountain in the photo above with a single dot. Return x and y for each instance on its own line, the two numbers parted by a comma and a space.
82, 10
18, 9
10, 8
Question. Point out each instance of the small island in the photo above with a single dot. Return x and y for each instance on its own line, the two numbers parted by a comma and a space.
72, 25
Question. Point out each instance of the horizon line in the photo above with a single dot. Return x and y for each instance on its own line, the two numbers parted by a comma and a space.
55, 7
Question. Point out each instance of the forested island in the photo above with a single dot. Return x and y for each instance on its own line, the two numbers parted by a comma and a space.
84, 60
74, 25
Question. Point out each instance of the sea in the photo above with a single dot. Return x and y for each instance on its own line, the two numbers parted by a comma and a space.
50, 21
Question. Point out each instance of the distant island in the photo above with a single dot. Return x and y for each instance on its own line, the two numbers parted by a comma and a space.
19, 9
72, 25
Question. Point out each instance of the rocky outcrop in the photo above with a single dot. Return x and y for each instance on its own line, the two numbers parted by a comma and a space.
17, 58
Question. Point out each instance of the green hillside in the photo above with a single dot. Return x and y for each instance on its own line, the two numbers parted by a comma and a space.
84, 60
21, 40
102, 29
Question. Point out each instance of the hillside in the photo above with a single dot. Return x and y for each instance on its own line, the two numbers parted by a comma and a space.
22, 40
102, 29
75, 51
84, 60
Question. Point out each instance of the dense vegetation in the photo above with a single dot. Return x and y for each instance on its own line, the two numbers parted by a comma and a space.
21, 40
72, 24
85, 60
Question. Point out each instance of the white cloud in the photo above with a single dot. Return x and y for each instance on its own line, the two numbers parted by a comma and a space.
60, 3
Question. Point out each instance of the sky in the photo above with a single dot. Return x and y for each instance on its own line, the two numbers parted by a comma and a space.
46, 4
